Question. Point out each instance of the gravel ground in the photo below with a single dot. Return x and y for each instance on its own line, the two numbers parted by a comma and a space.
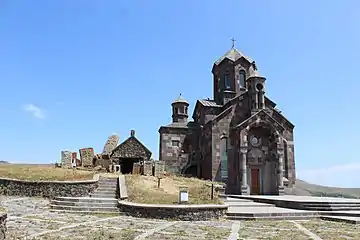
30, 218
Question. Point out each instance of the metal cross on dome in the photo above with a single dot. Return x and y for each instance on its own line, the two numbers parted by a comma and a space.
233, 42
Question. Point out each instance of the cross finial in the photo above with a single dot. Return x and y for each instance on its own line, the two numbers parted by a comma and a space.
233, 42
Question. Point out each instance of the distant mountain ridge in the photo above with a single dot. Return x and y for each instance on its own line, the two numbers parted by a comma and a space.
303, 188
4, 162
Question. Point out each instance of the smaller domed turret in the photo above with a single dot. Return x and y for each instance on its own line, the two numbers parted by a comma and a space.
256, 87
180, 110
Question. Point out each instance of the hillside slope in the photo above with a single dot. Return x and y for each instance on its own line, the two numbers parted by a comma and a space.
308, 189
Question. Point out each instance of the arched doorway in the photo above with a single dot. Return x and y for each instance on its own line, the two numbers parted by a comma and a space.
190, 171
261, 161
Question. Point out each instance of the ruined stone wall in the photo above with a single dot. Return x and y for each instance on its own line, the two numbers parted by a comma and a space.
66, 157
87, 156
110, 144
48, 189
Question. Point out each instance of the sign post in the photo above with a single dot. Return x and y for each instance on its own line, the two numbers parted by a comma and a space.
183, 194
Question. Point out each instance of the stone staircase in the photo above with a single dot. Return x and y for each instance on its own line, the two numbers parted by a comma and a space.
102, 200
292, 207
106, 188
244, 209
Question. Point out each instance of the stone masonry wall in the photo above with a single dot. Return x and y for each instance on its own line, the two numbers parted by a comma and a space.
48, 189
221, 126
3, 229
170, 154
174, 212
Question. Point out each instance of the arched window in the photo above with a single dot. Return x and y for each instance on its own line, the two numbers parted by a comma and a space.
242, 76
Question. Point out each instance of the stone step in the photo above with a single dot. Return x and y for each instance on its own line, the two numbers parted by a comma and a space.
103, 185
271, 214
97, 191
251, 218
108, 181
88, 209
341, 213
267, 212
87, 199
332, 205
108, 178
352, 220
95, 195
84, 204
230, 199
333, 208
248, 204
107, 188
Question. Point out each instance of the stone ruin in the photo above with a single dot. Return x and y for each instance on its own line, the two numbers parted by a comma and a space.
110, 144
88, 159
87, 156
150, 168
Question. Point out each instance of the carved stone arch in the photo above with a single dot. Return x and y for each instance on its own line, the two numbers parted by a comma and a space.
265, 124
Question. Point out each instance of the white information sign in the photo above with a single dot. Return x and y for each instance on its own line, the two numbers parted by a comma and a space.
184, 197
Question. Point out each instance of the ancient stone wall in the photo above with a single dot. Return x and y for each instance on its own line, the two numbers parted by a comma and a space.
159, 168
110, 144
137, 168
3, 217
87, 156
66, 157
174, 212
148, 167
48, 189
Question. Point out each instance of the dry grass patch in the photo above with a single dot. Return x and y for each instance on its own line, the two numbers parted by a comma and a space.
35, 172
143, 189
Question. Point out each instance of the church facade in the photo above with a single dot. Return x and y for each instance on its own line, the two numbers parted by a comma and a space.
238, 137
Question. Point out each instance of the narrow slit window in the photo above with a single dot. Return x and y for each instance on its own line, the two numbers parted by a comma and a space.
242, 79
227, 82
224, 158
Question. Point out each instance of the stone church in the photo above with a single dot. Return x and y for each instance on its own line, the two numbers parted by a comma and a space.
238, 137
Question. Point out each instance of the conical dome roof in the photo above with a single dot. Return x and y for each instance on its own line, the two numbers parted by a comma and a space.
180, 99
233, 54
254, 73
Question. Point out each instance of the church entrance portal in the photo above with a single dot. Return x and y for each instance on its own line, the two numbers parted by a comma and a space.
127, 165
255, 181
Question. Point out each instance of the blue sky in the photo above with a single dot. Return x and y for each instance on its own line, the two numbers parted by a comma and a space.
73, 72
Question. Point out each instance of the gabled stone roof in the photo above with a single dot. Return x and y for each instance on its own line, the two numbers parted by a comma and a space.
131, 148
208, 103
233, 54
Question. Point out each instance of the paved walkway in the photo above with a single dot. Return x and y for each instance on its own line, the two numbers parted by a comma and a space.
29, 218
